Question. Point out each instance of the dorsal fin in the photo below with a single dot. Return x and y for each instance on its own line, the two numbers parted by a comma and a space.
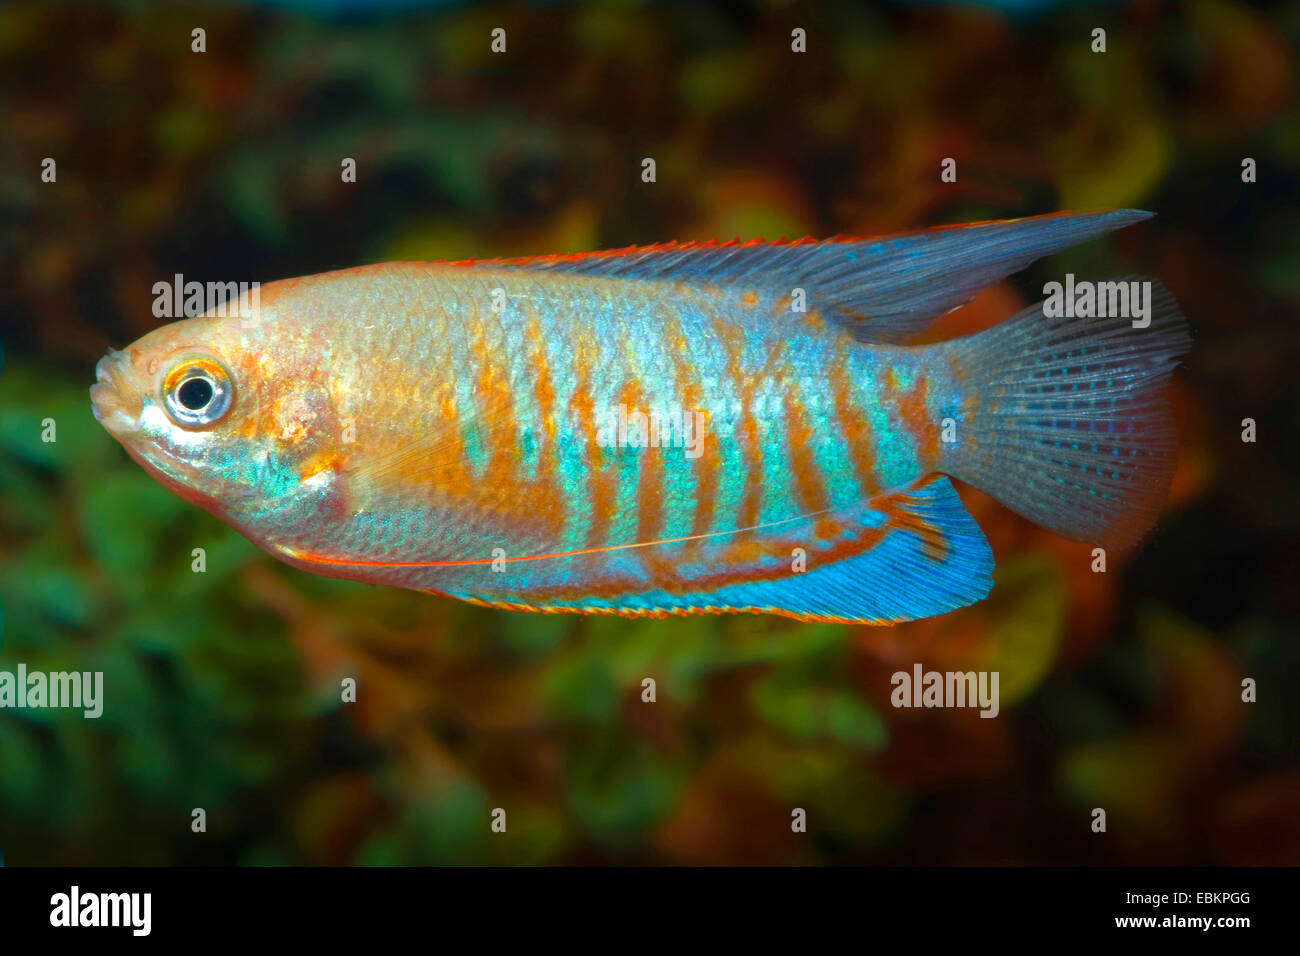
885, 289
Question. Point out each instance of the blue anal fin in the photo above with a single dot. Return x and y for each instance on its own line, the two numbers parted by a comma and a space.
909, 553
934, 560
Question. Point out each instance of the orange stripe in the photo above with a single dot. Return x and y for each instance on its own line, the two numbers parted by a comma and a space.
686, 387
495, 403
809, 485
457, 467
648, 500
601, 464
915, 416
746, 429
854, 426
544, 392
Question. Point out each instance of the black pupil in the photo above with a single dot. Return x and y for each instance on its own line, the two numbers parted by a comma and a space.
195, 393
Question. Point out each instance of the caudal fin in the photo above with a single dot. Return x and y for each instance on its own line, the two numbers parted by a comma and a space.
1072, 426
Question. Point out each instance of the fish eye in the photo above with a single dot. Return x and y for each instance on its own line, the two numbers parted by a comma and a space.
197, 393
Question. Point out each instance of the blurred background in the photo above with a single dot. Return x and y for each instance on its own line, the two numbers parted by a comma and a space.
1119, 690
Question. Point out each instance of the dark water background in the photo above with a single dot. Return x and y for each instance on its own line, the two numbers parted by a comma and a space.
1119, 690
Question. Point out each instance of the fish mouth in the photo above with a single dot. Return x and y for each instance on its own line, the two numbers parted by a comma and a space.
108, 396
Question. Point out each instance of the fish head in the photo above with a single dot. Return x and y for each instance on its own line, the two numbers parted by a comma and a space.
229, 415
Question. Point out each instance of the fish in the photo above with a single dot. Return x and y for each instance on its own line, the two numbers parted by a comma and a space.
687, 427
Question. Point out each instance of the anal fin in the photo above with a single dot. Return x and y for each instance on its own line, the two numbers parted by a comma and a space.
933, 558
903, 555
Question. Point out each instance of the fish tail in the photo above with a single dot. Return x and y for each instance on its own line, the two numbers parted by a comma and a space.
1069, 422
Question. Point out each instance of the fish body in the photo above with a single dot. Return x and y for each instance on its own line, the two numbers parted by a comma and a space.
674, 429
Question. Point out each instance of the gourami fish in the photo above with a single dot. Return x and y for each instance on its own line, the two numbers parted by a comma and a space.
479, 429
